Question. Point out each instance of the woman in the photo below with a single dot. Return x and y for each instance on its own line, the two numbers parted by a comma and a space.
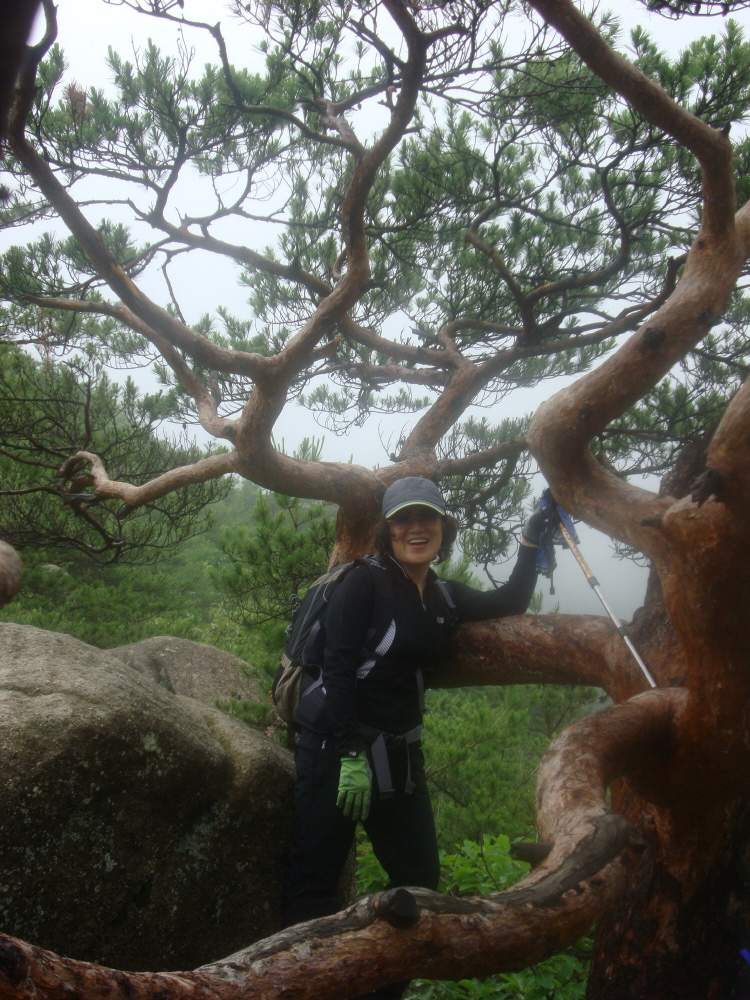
368, 766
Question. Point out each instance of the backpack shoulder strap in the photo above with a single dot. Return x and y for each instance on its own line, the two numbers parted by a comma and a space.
382, 630
320, 592
450, 604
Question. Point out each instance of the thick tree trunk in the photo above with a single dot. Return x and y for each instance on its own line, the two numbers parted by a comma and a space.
677, 931
355, 525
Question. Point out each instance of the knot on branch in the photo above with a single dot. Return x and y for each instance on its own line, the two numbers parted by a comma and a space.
709, 483
612, 834
13, 965
652, 338
70, 467
397, 907
532, 854
710, 319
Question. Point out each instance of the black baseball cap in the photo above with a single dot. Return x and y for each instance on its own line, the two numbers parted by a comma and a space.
412, 491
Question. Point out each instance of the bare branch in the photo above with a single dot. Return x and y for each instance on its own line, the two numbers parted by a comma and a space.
409, 353
634, 739
90, 241
617, 263
458, 394
371, 375
484, 459
336, 121
27, 79
136, 496
266, 109
524, 306
205, 403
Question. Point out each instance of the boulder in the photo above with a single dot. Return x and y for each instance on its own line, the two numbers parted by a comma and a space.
191, 668
138, 829
11, 573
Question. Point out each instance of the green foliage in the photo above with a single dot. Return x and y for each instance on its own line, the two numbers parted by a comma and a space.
110, 605
114, 604
483, 746
277, 559
481, 868
50, 409
690, 401
271, 562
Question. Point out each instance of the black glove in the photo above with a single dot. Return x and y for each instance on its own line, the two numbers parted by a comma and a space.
533, 528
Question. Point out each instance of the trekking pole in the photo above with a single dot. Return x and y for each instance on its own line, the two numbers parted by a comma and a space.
594, 584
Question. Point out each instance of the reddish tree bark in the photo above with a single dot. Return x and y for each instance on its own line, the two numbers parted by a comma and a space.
678, 928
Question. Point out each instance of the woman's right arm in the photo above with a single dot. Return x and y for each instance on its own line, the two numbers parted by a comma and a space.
511, 598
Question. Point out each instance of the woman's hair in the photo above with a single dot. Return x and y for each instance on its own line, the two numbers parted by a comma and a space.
450, 531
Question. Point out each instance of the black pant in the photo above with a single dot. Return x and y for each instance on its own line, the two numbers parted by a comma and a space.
401, 829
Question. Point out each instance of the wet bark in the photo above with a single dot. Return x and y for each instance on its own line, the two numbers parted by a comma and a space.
678, 928
16, 19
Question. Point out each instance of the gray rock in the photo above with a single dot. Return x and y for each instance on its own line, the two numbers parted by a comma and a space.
138, 829
11, 573
191, 668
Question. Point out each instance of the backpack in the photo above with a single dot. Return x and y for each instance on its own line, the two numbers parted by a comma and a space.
299, 672
297, 692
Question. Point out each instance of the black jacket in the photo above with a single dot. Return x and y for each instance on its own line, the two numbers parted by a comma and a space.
387, 698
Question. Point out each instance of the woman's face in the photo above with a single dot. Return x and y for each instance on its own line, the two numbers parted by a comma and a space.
416, 535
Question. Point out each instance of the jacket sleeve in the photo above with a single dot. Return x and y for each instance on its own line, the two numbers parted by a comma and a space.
512, 598
347, 622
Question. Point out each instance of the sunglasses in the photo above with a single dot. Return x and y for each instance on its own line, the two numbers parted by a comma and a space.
414, 517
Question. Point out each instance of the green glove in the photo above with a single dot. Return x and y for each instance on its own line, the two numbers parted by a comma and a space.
354, 787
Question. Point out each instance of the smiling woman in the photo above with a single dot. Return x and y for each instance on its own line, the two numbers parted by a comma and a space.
415, 529
386, 627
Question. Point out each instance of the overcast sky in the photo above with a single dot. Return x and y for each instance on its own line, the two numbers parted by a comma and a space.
88, 27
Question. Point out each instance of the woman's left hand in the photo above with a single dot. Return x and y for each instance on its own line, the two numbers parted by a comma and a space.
355, 781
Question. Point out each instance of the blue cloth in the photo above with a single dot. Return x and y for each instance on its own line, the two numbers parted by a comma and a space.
556, 515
